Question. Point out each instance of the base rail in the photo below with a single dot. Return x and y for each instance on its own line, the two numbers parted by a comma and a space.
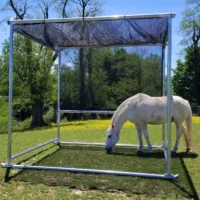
89, 111
33, 148
94, 171
103, 144
91, 171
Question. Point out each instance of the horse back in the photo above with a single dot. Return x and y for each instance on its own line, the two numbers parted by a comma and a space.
151, 110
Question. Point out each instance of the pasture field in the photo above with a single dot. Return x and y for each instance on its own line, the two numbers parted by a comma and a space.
40, 184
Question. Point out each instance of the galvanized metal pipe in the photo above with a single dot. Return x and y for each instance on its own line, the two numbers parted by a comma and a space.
163, 89
33, 148
168, 175
97, 18
89, 111
103, 144
9, 156
96, 171
93, 46
58, 102
169, 95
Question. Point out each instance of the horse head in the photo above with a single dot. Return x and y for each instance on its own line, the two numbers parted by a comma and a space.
112, 139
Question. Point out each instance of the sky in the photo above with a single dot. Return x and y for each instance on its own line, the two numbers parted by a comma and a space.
131, 7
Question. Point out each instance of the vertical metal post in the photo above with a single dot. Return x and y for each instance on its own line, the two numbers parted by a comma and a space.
163, 71
10, 97
58, 108
163, 87
169, 96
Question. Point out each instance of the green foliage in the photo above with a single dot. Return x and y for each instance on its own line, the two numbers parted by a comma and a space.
4, 114
192, 61
179, 81
48, 117
32, 77
186, 79
186, 76
190, 23
16, 125
111, 76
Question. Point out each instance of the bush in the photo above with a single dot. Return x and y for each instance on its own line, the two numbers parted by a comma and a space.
48, 117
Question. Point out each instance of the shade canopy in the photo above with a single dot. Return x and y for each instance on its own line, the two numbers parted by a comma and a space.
132, 30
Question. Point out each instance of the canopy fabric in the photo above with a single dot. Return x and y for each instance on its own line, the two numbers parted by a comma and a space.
91, 33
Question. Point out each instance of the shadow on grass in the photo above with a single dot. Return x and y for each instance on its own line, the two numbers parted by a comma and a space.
157, 154
122, 159
7, 176
194, 194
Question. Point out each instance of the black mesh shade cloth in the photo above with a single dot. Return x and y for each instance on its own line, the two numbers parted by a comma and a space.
86, 33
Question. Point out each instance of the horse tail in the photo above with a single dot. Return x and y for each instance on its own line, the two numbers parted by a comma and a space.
188, 135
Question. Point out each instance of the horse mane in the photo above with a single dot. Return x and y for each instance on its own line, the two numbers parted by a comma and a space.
117, 113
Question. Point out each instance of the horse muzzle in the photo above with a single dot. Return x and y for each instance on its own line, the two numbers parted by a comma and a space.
108, 149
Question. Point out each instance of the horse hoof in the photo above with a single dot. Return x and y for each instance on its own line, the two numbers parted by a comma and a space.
150, 151
173, 153
139, 152
188, 151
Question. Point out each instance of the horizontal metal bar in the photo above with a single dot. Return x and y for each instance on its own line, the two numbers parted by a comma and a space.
88, 111
100, 46
103, 144
94, 171
97, 18
33, 148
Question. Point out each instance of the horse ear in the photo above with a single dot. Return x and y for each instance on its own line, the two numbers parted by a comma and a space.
112, 126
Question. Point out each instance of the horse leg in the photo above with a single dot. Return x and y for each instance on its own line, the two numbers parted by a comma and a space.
179, 130
186, 138
139, 132
146, 135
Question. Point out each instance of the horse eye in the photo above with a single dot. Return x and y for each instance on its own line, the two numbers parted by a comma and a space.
109, 136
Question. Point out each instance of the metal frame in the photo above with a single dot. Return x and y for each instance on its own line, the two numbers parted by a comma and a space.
166, 148
97, 18
169, 95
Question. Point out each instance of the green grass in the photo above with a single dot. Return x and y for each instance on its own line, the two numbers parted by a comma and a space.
4, 114
40, 184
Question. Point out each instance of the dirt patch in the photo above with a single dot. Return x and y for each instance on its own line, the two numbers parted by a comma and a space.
20, 188
50, 178
78, 192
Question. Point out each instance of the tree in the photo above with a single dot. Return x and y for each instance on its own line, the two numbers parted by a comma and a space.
115, 75
192, 72
31, 88
85, 8
180, 81
187, 74
37, 79
190, 24
186, 82
151, 78
61, 6
118, 75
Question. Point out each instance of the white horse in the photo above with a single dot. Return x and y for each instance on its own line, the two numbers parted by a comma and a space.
141, 110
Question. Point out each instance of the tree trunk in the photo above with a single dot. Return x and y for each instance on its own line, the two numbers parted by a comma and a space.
37, 114
196, 74
82, 79
90, 83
